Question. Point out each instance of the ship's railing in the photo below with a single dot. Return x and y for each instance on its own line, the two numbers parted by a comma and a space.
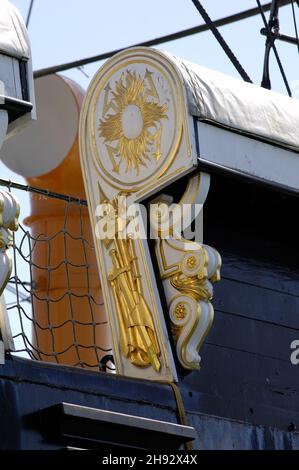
53, 296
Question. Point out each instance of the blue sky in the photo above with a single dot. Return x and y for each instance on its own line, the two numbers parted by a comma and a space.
64, 30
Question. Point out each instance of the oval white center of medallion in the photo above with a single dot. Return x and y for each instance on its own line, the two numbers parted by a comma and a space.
131, 121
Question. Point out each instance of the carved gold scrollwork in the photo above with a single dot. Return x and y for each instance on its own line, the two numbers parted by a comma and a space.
188, 270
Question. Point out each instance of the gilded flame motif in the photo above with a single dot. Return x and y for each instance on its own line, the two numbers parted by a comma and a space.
132, 131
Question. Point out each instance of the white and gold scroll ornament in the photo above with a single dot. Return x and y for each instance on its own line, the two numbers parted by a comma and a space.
136, 137
9, 213
188, 270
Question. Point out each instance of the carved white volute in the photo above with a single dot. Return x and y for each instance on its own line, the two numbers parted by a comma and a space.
188, 270
9, 213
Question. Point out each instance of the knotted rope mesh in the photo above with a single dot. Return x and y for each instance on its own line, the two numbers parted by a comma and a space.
53, 297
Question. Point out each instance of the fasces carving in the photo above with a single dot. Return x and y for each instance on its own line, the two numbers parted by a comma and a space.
138, 340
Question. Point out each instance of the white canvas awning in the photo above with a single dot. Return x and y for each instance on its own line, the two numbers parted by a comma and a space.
239, 106
13, 34
213, 122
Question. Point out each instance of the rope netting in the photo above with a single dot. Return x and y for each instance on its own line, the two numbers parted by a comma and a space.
53, 297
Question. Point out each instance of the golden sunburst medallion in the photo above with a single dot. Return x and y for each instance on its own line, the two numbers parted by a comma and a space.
131, 123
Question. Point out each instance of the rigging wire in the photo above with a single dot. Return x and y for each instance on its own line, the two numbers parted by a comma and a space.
271, 45
221, 41
158, 40
29, 13
295, 23
23, 297
11, 184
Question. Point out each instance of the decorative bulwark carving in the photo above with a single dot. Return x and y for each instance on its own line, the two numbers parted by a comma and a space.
136, 137
9, 213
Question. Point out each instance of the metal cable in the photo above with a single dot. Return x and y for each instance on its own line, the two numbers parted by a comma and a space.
275, 51
44, 192
295, 24
221, 41
29, 13
155, 41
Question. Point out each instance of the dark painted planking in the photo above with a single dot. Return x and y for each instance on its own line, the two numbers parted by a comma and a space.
24, 396
226, 434
232, 382
245, 334
83, 380
27, 386
280, 278
257, 303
